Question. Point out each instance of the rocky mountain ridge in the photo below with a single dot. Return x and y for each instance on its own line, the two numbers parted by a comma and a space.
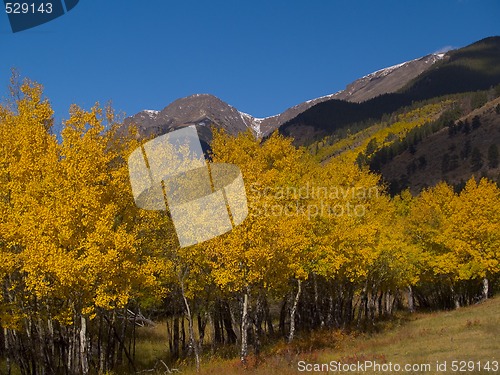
205, 109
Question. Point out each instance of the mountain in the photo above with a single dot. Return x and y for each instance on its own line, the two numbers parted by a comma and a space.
416, 122
475, 67
203, 110
386, 80
206, 110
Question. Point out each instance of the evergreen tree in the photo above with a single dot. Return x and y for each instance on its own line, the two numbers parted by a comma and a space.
466, 127
476, 122
371, 147
476, 160
422, 161
445, 163
466, 150
412, 149
453, 162
493, 156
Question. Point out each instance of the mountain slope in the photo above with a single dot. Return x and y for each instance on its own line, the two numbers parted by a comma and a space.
383, 81
205, 109
452, 154
387, 80
401, 115
475, 67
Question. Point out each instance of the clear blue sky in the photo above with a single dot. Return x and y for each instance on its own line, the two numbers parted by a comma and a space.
259, 56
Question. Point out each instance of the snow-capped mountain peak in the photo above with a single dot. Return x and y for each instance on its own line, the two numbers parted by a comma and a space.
206, 109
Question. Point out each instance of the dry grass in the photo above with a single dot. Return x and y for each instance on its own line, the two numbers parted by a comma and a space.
471, 333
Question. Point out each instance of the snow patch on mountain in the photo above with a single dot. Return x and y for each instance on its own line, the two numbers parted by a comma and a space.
324, 97
151, 113
383, 72
252, 122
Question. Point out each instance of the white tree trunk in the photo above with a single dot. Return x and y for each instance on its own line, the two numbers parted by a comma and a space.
411, 303
456, 298
83, 345
293, 311
69, 362
244, 328
192, 340
7, 349
486, 287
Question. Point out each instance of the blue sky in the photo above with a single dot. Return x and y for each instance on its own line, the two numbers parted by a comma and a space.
259, 56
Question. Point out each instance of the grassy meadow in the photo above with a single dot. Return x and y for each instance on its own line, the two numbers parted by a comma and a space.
467, 334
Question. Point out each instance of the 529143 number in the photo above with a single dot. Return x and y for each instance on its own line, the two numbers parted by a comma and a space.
469, 366
24, 8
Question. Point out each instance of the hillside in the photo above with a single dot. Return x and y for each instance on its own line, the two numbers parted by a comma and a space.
353, 143
471, 68
475, 67
383, 81
447, 155
468, 334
